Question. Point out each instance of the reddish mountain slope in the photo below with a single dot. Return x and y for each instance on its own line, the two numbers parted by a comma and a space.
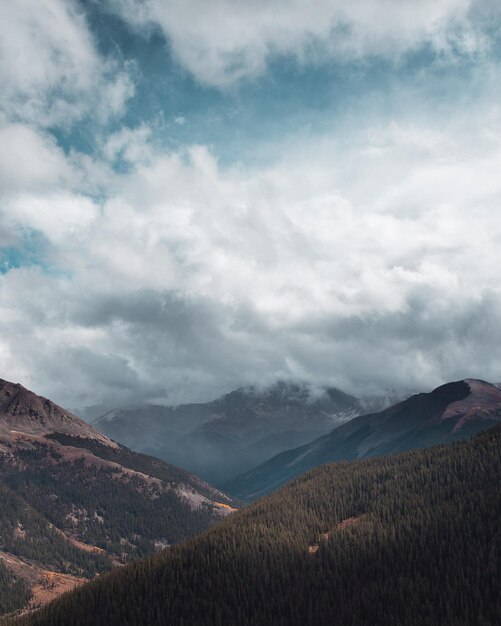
75, 503
22, 411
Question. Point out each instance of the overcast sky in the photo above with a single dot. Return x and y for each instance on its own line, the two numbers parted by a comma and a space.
198, 195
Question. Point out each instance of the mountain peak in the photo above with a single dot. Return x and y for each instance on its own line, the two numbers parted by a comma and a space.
455, 390
25, 412
483, 401
453, 411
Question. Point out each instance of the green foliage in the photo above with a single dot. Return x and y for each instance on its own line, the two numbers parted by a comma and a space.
48, 501
101, 506
13, 592
136, 461
425, 549
28, 534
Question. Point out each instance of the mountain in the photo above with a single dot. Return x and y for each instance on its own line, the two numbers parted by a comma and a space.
235, 432
450, 412
75, 503
406, 539
22, 411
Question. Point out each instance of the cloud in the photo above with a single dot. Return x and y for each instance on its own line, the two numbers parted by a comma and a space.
365, 257
30, 160
56, 216
225, 41
50, 70
44, 190
369, 266
128, 145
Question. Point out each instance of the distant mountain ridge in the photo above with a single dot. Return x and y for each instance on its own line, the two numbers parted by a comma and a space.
235, 432
451, 412
75, 503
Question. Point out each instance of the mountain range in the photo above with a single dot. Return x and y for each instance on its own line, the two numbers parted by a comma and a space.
74, 503
77, 504
451, 412
239, 430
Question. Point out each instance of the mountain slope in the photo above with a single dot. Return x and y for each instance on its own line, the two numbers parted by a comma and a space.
75, 503
233, 433
23, 412
14, 593
407, 539
450, 412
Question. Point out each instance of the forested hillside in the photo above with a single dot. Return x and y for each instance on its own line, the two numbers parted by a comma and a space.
409, 539
74, 504
14, 593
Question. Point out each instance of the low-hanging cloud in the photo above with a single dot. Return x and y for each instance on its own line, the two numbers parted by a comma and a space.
188, 278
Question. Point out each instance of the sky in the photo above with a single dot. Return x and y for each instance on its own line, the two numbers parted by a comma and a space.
200, 195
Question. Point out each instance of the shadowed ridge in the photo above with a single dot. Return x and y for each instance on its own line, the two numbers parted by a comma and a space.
405, 539
450, 412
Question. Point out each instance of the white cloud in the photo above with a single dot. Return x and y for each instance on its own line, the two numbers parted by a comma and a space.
373, 265
42, 188
30, 160
224, 41
368, 260
58, 216
130, 145
50, 70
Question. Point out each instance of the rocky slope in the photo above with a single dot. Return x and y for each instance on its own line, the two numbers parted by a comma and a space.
450, 412
24, 413
75, 503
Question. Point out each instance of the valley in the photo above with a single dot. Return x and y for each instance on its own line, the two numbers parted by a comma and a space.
78, 506
411, 538
222, 438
